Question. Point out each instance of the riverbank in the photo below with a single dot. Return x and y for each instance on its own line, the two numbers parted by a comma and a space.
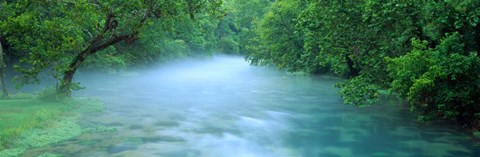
27, 122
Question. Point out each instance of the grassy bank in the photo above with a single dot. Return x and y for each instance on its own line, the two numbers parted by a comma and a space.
28, 122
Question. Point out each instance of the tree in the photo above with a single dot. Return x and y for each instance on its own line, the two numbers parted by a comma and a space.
161, 42
334, 36
384, 30
242, 24
436, 72
277, 42
439, 77
64, 34
440, 82
2, 79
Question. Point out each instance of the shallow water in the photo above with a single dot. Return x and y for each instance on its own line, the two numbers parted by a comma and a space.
223, 107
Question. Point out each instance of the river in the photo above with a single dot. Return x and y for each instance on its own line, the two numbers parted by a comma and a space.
223, 107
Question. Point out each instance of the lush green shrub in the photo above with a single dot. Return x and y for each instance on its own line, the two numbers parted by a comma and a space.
441, 82
359, 92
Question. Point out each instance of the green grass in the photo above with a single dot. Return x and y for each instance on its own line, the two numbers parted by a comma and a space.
14, 113
28, 122
22, 112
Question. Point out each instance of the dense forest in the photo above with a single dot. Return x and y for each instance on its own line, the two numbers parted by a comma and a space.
424, 51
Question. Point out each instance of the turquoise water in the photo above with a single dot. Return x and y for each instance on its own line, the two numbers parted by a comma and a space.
223, 107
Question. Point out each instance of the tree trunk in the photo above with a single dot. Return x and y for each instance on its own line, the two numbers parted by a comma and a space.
4, 85
66, 84
352, 71
100, 42
2, 80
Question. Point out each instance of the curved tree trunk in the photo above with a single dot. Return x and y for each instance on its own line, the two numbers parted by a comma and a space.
96, 45
2, 79
106, 38
66, 84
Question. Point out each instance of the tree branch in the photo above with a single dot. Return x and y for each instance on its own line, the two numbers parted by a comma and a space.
109, 42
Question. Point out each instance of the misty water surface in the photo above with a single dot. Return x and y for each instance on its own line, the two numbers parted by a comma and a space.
223, 107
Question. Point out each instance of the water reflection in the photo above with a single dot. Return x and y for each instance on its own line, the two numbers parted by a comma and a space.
225, 107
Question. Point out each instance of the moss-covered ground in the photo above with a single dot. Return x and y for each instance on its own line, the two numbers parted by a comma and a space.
27, 122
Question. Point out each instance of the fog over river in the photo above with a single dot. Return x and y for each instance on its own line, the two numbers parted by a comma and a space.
223, 107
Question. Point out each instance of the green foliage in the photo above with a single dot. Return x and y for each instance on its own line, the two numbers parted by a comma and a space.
240, 22
160, 40
108, 60
425, 51
406, 69
357, 91
49, 95
330, 37
277, 43
45, 38
63, 130
61, 36
228, 46
439, 82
